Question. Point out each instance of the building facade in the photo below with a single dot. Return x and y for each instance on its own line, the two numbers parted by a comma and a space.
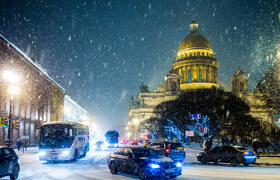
195, 67
73, 111
39, 98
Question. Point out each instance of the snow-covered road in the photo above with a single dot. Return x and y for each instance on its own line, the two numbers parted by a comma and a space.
94, 167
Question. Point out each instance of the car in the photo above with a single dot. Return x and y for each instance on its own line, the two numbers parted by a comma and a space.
9, 163
143, 162
134, 142
228, 154
123, 141
174, 150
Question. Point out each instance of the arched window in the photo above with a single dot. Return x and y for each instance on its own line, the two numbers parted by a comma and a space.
190, 75
202, 53
206, 80
173, 86
200, 75
241, 86
183, 77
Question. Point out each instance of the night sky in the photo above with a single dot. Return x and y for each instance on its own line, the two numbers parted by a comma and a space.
102, 51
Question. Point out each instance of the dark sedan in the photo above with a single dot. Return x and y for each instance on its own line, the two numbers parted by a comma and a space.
143, 162
9, 165
228, 154
173, 150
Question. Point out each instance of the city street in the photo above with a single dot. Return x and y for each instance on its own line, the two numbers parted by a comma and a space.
94, 167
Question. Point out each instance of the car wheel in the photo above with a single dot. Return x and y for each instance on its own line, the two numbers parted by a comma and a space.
142, 173
113, 168
15, 172
233, 162
245, 164
204, 160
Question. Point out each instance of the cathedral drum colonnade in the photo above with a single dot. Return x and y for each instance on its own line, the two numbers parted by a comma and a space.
195, 62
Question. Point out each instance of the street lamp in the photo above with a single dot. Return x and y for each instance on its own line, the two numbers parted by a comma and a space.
11, 78
13, 91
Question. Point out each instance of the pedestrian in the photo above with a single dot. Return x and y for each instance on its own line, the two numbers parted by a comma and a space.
208, 144
256, 145
19, 144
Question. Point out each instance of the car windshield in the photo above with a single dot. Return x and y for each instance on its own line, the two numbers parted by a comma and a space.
55, 136
146, 153
241, 148
176, 146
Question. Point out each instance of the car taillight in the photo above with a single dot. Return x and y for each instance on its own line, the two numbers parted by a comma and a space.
254, 152
245, 153
167, 150
185, 149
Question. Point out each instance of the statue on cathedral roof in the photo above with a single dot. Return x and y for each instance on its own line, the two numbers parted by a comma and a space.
144, 88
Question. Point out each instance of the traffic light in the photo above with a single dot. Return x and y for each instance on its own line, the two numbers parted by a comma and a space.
5, 122
16, 124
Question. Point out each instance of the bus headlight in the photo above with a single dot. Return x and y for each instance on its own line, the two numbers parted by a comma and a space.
42, 153
65, 153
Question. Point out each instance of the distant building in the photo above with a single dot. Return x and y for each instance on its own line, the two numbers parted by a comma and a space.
195, 67
40, 98
253, 99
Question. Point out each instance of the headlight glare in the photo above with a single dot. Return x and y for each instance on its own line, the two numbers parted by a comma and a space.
42, 153
65, 153
178, 164
154, 166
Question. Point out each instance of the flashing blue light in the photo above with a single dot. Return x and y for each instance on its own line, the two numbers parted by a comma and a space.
179, 164
154, 166
250, 157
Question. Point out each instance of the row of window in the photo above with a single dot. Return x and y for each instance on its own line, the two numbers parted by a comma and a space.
190, 54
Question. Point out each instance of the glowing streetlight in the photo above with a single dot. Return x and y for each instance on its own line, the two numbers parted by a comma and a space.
126, 127
13, 90
129, 123
11, 77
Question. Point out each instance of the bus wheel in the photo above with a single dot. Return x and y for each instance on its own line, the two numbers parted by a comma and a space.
85, 153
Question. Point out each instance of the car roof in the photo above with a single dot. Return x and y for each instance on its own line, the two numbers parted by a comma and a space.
136, 147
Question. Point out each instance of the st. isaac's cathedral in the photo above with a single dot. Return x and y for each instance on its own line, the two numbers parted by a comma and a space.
195, 67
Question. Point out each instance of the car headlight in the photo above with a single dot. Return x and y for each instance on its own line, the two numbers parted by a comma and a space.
65, 153
154, 166
42, 153
179, 164
116, 144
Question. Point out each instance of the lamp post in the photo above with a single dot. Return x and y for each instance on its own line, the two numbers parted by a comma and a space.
13, 90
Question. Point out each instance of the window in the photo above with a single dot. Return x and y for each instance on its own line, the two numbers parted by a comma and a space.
128, 152
121, 151
173, 86
80, 139
190, 75
206, 80
200, 75
241, 86
183, 77
202, 53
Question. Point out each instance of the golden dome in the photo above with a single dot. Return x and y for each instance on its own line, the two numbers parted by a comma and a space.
195, 40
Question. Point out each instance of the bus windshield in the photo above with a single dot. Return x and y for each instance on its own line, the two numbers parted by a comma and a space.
56, 136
